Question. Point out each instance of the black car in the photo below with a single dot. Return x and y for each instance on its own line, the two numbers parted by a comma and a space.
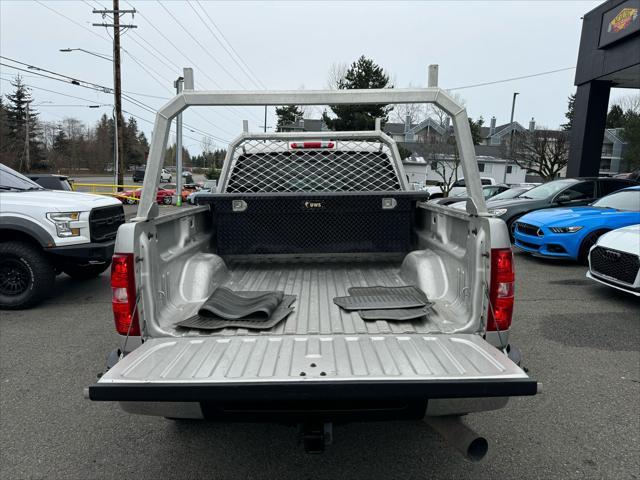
488, 191
138, 174
558, 193
51, 181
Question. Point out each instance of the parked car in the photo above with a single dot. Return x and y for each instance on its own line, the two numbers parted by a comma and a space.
165, 176
458, 186
513, 192
567, 192
138, 174
51, 181
187, 177
187, 189
209, 186
615, 259
571, 232
268, 231
131, 197
46, 232
488, 191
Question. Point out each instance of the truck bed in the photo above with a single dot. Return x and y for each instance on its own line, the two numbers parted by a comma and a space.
316, 282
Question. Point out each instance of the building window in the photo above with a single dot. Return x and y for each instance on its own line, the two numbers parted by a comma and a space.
481, 167
495, 140
509, 169
434, 166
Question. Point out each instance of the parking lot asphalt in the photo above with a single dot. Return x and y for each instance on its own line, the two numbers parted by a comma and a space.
580, 339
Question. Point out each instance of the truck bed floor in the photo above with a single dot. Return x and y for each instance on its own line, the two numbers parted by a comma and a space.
316, 283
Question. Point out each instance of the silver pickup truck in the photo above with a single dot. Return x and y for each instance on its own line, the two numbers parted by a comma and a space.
314, 214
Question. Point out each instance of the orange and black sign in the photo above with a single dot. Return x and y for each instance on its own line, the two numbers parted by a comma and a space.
620, 22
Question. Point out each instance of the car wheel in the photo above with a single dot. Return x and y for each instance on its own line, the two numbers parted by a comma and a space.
26, 275
588, 242
511, 225
129, 201
167, 200
85, 272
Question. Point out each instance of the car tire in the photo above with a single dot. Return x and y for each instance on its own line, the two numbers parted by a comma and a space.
511, 225
167, 200
588, 242
85, 272
129, 201
26, 275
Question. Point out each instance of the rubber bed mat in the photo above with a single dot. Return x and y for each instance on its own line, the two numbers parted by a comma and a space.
230, 305
376, 298
256, 321
398, 314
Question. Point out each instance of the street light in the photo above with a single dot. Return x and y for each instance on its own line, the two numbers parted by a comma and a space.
115, 102
513, 108
95, 54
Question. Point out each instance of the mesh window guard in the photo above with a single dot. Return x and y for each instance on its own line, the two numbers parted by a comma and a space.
260, 166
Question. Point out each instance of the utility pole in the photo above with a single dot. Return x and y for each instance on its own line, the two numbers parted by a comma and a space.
119, 167
513, 109
178, 84
27, 160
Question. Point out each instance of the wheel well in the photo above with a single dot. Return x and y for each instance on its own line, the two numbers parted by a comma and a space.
19, 236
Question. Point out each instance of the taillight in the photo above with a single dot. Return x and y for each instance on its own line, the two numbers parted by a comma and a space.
501, 290
302, 145
123, 294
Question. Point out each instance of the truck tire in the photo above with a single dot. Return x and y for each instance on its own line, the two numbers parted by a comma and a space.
85, 272
26, 275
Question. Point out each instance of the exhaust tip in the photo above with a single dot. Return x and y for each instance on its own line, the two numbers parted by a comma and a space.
477, 449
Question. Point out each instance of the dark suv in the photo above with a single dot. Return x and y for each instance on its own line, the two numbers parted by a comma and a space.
558, 193
138, 174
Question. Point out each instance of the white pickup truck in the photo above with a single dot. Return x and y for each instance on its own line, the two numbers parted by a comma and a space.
46, 232
314, 214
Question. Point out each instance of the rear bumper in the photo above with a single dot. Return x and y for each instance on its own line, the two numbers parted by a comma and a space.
85, 252
309, 390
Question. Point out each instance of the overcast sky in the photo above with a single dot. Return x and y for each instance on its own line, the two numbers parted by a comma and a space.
291, 45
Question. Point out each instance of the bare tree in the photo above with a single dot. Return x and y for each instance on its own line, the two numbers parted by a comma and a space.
415, 111
444, 160
543, 152
440, 115
629, 102
337, 71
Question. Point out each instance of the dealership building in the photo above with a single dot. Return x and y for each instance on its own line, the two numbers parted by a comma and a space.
609, 57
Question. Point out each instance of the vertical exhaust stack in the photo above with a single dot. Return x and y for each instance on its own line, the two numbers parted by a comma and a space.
472, 446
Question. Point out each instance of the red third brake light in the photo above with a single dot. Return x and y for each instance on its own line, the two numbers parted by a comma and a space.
123, 294
302, 145
501, 290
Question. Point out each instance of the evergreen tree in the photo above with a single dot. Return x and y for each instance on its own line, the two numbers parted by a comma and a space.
476, 127
631, 135
19, 103
287, 115
366, 74
571, 105
615, 117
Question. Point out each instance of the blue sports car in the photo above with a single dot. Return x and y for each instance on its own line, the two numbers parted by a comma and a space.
571, 232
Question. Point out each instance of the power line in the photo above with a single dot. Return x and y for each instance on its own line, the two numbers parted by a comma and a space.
513, 78
191, 61
110, 105
254, 79
93, 32
102, 89
222, 67
72, 21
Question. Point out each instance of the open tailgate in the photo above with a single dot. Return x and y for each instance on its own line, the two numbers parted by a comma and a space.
208, 368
